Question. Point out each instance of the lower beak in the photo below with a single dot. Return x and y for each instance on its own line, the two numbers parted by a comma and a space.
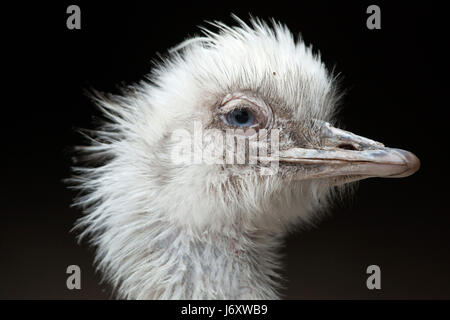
346, 156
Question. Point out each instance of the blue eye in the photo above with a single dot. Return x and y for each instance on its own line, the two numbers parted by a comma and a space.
240, 118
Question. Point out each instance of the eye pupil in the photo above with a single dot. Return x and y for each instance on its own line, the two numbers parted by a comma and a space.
240, 118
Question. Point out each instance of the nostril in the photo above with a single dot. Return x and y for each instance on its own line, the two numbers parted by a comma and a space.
346, 146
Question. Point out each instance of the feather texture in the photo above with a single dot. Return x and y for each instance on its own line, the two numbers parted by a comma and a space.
192, 231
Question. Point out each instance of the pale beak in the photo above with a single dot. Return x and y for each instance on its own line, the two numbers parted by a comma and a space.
344, 157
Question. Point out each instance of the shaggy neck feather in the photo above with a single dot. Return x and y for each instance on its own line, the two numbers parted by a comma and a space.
180, 264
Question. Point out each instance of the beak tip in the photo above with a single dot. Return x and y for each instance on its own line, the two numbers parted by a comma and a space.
412, 162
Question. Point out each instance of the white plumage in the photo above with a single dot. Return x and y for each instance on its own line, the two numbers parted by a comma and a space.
196, 231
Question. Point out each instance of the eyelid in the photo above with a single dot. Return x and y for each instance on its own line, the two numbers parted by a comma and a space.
235, 103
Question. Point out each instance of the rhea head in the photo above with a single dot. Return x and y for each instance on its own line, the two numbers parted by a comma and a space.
169, 228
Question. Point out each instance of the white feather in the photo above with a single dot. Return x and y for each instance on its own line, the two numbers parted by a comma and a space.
166, 231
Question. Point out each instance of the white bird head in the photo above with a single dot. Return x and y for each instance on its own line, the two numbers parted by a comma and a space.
171, 168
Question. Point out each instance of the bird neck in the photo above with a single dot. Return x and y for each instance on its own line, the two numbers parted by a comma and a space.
181, 264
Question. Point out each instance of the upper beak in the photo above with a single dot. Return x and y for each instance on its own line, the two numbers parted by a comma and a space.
346, 156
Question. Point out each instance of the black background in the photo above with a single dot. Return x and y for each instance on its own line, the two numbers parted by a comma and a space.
395, 94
